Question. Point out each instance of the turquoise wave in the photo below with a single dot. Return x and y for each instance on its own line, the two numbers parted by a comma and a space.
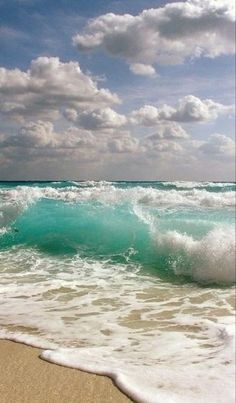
170, 240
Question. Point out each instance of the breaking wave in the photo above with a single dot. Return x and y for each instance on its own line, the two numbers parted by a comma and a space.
186, 232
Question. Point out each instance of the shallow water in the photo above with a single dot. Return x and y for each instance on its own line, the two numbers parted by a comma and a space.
132, 280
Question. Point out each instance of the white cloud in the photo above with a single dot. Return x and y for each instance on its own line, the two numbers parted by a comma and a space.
96, 119
164, 148
142, 69
124, 144
168, 131
34, 134
148, 115
38, 148
165, 35
218, 145
170, 147
41, 135
39, 140
193, 109
188, 109
47, 88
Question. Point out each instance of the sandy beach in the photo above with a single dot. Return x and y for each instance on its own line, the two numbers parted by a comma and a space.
24, 377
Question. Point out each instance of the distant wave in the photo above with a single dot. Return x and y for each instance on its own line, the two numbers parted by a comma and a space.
106, 193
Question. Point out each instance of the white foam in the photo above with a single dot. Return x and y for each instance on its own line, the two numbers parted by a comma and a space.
180, 380
211, 258
191, 185
14, 201
106, 193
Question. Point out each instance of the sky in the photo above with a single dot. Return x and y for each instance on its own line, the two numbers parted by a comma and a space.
117, 90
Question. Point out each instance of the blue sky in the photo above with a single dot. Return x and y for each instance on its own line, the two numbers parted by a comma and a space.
149, 95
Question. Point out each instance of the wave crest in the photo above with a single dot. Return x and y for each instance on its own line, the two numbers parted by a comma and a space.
111, 194
211, 258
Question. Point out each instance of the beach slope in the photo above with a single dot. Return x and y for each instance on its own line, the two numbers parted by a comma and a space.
24, 377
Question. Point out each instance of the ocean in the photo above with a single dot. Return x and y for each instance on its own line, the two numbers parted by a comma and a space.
134, 280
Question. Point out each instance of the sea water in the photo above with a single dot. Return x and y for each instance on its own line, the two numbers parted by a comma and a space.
134, 280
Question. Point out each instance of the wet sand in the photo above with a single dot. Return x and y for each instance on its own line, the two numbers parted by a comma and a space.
25, 378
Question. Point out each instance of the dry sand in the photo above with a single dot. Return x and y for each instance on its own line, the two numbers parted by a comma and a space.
25, 378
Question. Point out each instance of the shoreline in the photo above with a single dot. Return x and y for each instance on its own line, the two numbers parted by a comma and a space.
25, 378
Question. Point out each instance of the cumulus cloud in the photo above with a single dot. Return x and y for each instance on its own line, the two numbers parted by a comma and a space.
149, 115
218, 145
34, 134
188, 109
39, 140
47, 88
167, 147
38, 144
142, 69
193, 109
168, 131
124, 144
96, 119
165, 35
41, 135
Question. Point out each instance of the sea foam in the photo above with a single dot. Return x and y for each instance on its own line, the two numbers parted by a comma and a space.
211, 258
106, 193
157, 341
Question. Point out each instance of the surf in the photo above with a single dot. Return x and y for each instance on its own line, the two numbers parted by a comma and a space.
130, 280
167, 230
